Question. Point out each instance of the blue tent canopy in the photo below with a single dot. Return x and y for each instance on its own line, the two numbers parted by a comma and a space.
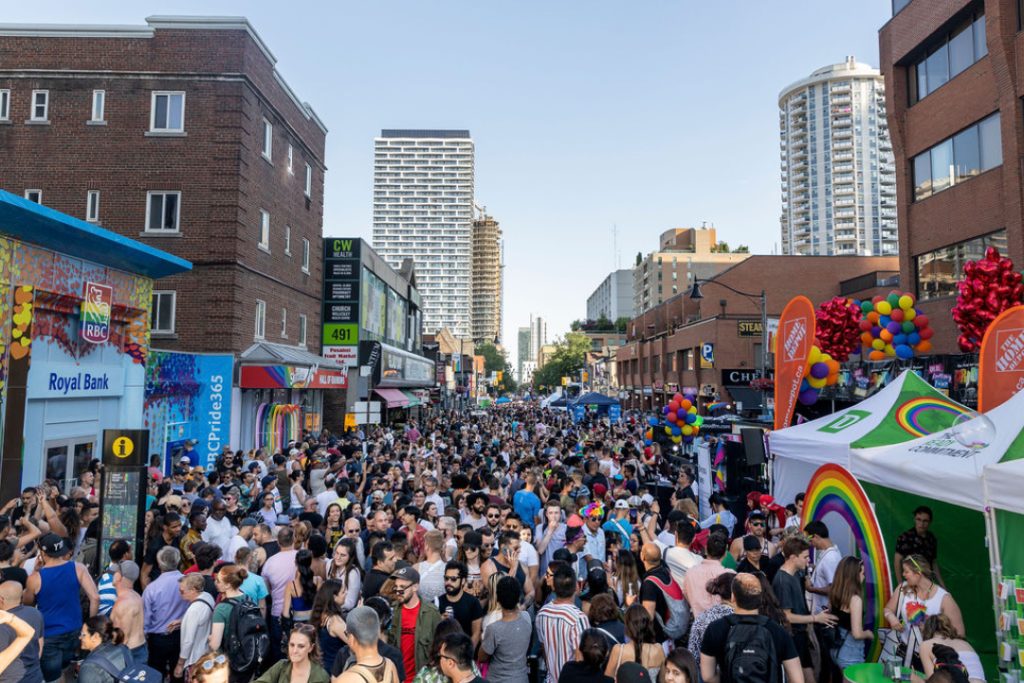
594, 398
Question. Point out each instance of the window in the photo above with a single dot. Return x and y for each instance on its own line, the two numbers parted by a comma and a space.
291, 159
99, 100
5, 105
40, 105
92, 206
167, 113
305, 255
284, 323
302, 329
287, 240
161, 315
261, 319
264, 230
951, 53
898, 5
309, 180
268, 140
163, 211
34, 196
970, 152
939, 271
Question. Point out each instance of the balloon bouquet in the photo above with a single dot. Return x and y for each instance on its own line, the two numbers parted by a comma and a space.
989, 287
836, 327
679, 420
893, 328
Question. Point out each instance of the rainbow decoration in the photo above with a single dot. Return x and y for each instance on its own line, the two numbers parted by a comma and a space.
910, 416
717, 405
277, 424
718, 467
834, 489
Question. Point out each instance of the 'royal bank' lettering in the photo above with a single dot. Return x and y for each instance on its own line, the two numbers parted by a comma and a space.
80, 382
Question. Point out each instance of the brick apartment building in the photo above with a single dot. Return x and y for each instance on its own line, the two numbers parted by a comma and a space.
953, 88
662, 353
182, 135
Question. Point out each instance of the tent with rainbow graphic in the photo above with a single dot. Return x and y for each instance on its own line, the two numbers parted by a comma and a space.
907, 408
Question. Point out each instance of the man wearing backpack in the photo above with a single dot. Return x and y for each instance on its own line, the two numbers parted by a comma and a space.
663, 597
746, 647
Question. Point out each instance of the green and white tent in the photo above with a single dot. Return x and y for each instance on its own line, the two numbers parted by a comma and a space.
960, 484
906, 408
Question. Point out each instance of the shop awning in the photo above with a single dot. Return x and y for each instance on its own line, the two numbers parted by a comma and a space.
750, 398
265, 365
393, 397
414, 400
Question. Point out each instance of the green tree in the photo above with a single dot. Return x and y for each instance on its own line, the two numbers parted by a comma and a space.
639, 258
621, 325
742, 249
567, 360
721, 248
603, 324
494, 359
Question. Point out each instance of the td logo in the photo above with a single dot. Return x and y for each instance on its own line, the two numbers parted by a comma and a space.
845, 421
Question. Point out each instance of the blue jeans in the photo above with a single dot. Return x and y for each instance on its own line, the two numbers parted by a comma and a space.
141, 655
58, 651
850, 652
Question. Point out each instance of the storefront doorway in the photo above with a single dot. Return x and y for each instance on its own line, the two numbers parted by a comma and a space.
66, 459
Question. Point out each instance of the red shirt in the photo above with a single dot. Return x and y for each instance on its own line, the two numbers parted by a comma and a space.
408, 644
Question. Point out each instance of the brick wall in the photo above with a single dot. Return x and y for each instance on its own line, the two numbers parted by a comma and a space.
217, 166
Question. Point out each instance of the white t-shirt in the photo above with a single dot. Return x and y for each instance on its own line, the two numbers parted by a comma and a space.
324, 499
825, 564
680, 561
528, 554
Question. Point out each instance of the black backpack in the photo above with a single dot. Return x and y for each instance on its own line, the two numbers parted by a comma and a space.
750, 655
247, 639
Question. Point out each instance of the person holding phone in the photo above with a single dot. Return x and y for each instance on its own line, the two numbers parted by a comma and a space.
619, 523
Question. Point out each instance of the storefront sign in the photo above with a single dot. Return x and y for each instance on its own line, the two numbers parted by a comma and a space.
707, 355
341, 295
732, 377
343, 355
96, 303
748, 328
67, 380
291, 377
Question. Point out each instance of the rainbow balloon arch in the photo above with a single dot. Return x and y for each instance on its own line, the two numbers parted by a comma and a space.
834, 489
277, 424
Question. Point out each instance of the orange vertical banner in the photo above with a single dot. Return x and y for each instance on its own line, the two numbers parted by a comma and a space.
793, 344
1001, 359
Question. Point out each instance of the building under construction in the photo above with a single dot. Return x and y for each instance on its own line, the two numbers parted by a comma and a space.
488, 280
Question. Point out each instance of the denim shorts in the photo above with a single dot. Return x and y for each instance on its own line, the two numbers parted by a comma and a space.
58, 651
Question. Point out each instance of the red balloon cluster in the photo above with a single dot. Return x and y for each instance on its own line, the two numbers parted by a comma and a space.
989, 287
838, 328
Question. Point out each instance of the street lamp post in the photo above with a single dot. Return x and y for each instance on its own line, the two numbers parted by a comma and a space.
696, 295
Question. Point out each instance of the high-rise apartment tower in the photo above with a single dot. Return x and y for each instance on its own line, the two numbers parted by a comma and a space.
838, 175
423, 210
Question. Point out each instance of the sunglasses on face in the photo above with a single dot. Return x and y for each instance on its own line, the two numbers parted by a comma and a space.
216, 661
757, 524
452, 579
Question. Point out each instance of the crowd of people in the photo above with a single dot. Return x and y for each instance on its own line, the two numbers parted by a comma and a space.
515, 546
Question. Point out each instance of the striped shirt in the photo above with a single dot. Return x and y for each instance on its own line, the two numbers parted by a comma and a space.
559, 627
108, 594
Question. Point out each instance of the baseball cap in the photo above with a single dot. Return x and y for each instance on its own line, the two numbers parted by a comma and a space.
128, 570
52, 545
621, 504
248, 521
407, 574
634, 501
766, 500
756, 514
647, 499
267, 480
631, 672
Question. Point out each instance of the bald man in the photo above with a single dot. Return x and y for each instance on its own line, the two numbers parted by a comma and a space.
652, 596
127, 613
26, 668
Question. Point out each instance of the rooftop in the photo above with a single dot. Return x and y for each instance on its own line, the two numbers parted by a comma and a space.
423, 133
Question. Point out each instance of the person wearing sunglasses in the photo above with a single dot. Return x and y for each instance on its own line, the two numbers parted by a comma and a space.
414, 621
757, 523
210, 668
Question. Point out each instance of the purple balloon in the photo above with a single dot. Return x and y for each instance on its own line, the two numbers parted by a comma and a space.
875, 331
664, 410
895, 327
681, 414
808, 397
819, 370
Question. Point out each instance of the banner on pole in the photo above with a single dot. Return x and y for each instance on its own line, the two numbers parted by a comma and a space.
1001, 359
794, 340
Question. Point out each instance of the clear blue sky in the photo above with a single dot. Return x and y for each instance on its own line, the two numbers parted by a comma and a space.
647, 115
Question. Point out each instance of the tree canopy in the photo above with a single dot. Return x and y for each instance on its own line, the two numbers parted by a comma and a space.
567, 361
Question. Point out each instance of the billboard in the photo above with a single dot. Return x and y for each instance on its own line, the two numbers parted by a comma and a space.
341, 297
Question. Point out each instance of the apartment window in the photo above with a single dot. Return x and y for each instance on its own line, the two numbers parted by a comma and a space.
287, 240
99, 101
5, 105
163, 311
284, 323
302, 329
970, 152
163, 212
309, 180
291, 159
34, 196
167, 114
261, 319
939, 271
948, 55
92, 206
268, 140
305, 255
264, 230
40, 105
688, 359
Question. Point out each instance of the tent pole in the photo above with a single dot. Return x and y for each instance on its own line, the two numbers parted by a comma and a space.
995, 557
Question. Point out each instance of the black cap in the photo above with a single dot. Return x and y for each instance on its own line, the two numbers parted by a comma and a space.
406, 573
53, 545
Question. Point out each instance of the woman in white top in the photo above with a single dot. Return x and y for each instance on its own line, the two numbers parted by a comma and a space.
939, 630
344, 567
917, 598
298, 498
